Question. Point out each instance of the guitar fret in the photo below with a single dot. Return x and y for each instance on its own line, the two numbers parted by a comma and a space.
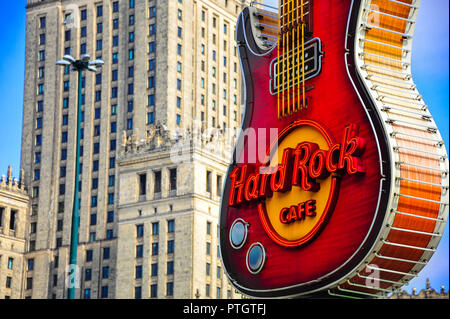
291, 17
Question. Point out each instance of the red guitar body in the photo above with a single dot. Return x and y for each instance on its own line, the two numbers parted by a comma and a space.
336, 101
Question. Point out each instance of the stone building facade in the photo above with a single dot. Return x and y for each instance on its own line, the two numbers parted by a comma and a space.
15, 270
167, 63
169, 197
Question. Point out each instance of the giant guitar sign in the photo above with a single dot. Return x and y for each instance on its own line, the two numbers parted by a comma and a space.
351, 197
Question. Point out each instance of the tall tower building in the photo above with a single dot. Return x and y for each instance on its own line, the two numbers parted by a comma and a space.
170, 66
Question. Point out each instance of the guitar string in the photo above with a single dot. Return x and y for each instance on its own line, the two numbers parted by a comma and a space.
288, 58
303, 55
297, 65
282, 61
277, 80
286, 26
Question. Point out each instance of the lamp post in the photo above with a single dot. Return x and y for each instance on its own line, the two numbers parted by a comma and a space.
78, 65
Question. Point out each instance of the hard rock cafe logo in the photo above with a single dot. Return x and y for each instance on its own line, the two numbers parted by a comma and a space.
295, 191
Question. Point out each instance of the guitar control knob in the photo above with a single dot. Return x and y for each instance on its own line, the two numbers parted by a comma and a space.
238, 233
256, 257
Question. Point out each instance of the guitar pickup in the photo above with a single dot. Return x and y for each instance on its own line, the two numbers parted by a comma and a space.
286, 71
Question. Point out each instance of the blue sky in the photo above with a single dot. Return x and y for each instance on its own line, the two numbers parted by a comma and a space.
430, 67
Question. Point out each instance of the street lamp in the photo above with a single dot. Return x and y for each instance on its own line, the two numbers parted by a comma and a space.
78, 65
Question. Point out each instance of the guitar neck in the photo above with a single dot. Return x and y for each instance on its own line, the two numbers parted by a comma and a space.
293, 13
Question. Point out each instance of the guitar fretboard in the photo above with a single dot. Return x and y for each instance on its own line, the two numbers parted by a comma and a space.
295, 21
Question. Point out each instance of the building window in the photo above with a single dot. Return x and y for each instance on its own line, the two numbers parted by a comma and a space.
154, 270
99, 27
152, 29
93, 220
151, 64
208, 181
157, 181
170, 246
151, 100
59, 225
106, 252
150, 118
95, 166
88, 274
94, 201
130, 105
138, 292
37, 174
208, 228
29, 283
40, 106
89, 255
139, 231
105, 272
116, 6
138, 274
139, 251
110, 217
151, 82
173, 178
112, 162
155, 248
152, 47
96, 145
40, 89
219, 185
142, 184
171, 226
115, 57
104, 293
129, 124
155, 228
99, 11
110, 198
169, 289
87, 293
8, 282
154, 291
115, 24
152, 12
170, 268
207, 290
111, 180
41, 72
10, 263
42, 22
179, 32
35, 192
30, 263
